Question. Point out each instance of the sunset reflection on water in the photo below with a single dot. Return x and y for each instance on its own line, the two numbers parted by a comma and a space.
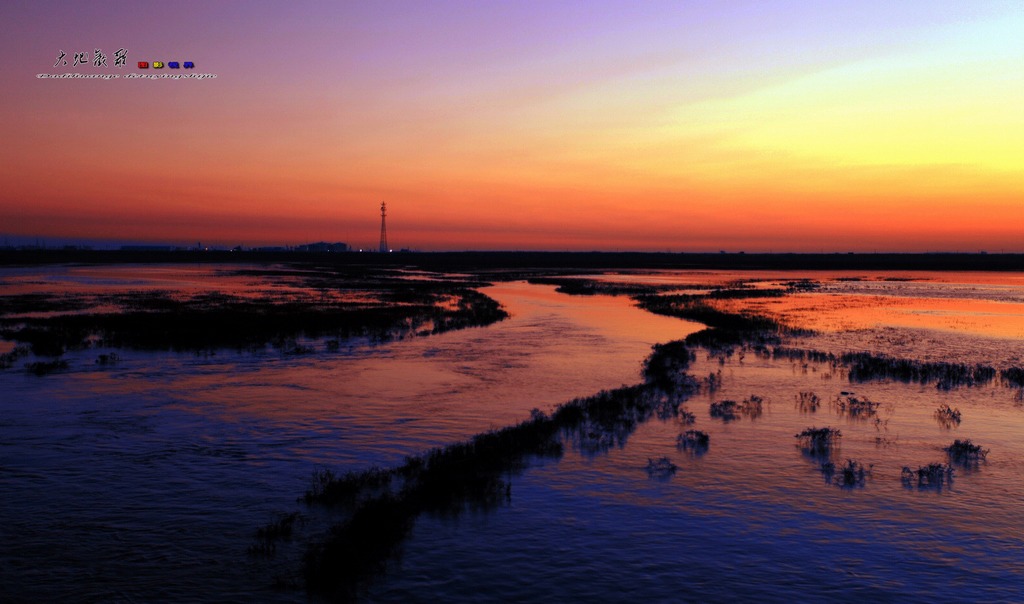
217, 441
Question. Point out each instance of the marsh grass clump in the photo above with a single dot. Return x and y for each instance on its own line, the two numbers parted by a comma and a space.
744, 293
865, 366
726, 411
594, 438
800, 355
606, 419
947, 416
713, 382
108, 359
1013, 376
850, 474
359, 548
931, 476
807, 402
694, 441
819, 441
965, 453
267, 536
666, 366
854, 407
293, 348
752, 406
575, 286
885, 441
327, 488
661, 468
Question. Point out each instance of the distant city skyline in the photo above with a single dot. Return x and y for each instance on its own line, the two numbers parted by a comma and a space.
660, 126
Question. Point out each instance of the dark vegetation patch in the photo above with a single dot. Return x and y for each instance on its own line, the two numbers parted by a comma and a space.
884, 441
328, 276
727, 410
752, 406
268, 536
666, 367
855, 407
965, 453
742, 293
385, 309
808, 402
694, 441
713, 382
1013, 376
330, 489
802, 285
865, 367
819, 442
850, 474
108, 359
947, 416
661, 468
15, 304
590, 287
932, 476
597, 423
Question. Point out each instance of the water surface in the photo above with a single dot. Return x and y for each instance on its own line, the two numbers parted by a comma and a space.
146, 480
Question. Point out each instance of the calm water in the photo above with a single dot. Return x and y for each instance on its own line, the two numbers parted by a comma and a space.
145, 481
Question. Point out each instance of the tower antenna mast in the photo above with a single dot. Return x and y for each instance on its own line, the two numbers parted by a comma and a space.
383, 228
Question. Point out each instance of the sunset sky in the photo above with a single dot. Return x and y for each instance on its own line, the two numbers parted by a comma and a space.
682, 126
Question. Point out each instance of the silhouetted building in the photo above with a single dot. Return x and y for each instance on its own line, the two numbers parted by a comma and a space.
323, 247
149, 248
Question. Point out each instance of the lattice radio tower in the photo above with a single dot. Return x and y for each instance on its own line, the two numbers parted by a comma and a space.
383, 228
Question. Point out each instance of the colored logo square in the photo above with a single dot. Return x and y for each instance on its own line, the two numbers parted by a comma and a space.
190, 65
173, 65
143, 65
158, 64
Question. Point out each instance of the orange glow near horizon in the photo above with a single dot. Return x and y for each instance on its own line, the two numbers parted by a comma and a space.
792, 129
850, 312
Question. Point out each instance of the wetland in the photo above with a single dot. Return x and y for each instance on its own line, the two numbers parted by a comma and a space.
286, 431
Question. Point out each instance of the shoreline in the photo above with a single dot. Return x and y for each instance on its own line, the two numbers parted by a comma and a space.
511, 260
